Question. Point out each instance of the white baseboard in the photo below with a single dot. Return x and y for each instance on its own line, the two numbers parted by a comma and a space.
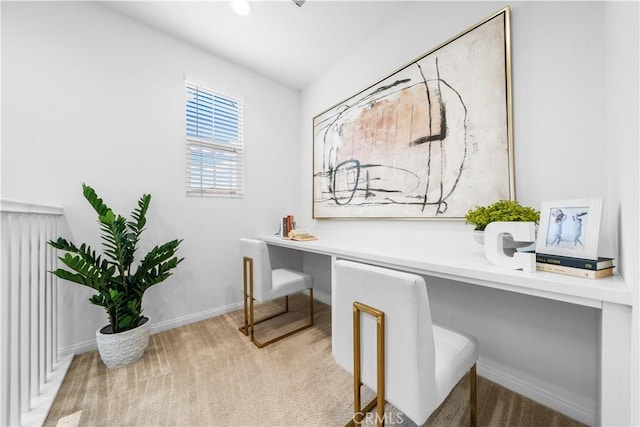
78, 348
90, 345
564, 405
196, 317
322, 297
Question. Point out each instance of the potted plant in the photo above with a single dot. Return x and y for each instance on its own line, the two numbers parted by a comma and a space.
503, 210
119, 289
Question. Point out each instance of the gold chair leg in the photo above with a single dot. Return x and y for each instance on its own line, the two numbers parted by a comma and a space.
311, 305
245, 329
378, 401
249, 321
473, 400
248, 262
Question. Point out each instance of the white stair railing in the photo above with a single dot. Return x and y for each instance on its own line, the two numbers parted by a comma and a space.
30, 372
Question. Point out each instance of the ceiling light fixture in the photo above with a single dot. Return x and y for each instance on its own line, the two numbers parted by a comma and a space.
299, 2
241, 7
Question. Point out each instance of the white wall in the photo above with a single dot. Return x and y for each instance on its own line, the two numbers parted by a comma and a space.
563, 149
91, 96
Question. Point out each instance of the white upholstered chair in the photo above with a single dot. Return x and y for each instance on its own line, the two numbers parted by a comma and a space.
262, 284
418, 363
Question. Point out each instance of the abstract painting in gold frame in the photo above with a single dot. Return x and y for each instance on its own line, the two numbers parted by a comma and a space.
432, 140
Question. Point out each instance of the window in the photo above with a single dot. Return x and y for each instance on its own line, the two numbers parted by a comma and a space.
215, 143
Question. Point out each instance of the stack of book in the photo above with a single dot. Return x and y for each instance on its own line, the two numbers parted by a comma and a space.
580, 267
288, 224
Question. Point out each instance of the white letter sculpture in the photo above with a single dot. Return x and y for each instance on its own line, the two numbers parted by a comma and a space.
494, 248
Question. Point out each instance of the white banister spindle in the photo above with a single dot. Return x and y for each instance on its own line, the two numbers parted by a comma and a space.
15, 368
34, 274
42, 283
30, 372
48, 315
51, 335
4, 323
25, 311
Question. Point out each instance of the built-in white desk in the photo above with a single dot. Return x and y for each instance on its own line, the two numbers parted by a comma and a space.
451, 258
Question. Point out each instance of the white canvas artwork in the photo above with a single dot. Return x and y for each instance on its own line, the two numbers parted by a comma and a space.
432, 140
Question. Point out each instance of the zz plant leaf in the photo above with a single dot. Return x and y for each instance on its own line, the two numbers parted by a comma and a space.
119, 284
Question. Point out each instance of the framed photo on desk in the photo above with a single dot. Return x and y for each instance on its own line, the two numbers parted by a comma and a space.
570, 228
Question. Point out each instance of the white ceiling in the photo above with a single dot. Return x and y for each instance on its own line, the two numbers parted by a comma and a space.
289, 44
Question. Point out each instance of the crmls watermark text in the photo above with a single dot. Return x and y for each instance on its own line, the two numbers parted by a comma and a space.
388, 418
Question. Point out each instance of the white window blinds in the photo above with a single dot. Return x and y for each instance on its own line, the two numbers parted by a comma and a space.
215, 143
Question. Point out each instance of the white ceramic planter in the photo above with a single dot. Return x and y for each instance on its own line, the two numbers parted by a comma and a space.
123, 348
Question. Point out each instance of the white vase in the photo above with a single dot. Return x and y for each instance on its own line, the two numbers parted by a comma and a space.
123, 348
478, 236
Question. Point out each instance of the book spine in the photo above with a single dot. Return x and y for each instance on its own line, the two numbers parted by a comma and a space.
577, 272
285, 232
584, 264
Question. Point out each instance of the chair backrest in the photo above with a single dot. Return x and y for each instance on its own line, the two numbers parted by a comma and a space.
409, 343
262, 276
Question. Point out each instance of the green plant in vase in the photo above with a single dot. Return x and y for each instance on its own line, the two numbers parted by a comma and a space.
119, 287
503, 210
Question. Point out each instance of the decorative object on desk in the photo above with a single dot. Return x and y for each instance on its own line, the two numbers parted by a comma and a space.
572, 271
570, 228
415, 144
119, 291
502, 210
496, 252
586, 264
301, 236
288, 224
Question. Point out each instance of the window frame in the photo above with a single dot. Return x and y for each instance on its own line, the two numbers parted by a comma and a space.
219, 171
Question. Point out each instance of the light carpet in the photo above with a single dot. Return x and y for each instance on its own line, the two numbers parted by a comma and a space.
209, 374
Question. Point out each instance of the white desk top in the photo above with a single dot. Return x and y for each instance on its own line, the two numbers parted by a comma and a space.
452, 257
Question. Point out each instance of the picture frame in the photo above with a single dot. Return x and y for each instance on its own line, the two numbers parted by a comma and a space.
570, 228
429, 141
